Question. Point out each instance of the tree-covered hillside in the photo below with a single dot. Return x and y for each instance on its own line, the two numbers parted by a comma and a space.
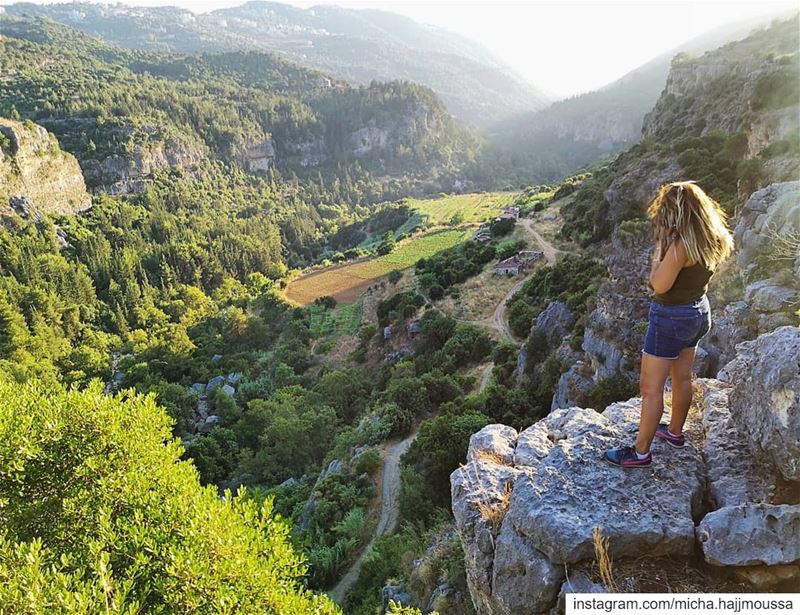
359, 46
126, 113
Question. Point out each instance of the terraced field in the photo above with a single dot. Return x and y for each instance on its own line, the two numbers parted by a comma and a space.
448, 220
347, 281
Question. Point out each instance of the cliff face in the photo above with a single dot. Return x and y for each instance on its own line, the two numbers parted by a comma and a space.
36, 177
527, 503
740, 87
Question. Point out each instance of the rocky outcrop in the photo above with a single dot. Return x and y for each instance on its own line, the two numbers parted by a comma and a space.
257, 156
631, 190
733, 478
521, 519
751, 534
526, 503
554, 324
765, 401
128, 172
407, 128
36, 177
723, 90
765, 226
614, 333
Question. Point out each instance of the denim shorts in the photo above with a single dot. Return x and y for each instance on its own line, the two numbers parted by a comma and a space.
671, 328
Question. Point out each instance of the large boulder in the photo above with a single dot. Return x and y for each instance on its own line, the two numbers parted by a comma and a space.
557, 491
771, 212
751, 534
558, 503
554, 323
765, 400
733, 478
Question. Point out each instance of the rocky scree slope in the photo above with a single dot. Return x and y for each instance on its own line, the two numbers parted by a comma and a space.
36, 177
527, 503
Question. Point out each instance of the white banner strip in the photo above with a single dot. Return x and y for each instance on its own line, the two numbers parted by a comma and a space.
683, 604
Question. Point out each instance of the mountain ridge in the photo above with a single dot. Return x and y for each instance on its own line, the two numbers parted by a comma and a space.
320, 37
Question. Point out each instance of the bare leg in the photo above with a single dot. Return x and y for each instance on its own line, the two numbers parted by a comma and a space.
681, 374
651, 385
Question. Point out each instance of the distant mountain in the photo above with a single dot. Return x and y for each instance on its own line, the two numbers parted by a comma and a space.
357, 45
560, 139
129, 115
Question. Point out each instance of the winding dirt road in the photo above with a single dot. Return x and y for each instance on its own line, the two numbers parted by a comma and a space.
390, 512
497, 320
390, 482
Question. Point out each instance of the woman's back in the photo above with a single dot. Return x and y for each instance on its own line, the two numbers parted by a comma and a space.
690, 285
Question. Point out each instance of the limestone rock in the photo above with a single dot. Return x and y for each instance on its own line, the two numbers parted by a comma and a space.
557, 503
771, 212
733, 324
215, 383
554, 323
577, 582
560, 492
198, 388
733, 478
524, 581
751, 534
495, 441
479, 496
765, 400
228, 390
771, 296
395, 593
36, 176
573, 386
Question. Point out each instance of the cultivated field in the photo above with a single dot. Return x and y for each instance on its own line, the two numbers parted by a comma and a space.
347, 281
466, 208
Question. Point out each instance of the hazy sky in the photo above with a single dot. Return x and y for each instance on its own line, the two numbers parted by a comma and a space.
564, 46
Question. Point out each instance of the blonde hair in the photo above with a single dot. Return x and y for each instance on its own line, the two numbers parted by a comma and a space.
682, 210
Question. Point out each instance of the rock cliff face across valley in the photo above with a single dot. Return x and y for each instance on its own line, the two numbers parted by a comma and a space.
36, 177
527, 503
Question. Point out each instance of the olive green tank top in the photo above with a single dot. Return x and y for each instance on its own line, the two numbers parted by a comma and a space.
690, 285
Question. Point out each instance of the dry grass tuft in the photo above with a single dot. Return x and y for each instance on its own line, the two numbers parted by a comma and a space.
604, 562
494, 511
491, 457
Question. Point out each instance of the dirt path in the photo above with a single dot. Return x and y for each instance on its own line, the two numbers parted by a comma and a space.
390, 513
498, 320
390, 489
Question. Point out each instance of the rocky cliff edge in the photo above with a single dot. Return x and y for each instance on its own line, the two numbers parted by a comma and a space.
527, 503
36, 176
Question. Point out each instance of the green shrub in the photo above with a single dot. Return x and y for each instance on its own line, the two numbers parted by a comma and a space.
368, 461
98, 514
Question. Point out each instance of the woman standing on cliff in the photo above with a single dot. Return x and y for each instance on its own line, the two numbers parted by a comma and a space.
692, 239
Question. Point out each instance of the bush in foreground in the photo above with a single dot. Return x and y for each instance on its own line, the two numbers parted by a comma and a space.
98, 514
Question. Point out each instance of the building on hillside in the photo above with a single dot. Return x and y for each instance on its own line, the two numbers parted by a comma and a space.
513, 265
509, 213
530, 256
509, 266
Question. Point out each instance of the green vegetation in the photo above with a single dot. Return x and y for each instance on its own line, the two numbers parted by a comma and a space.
99, 515
573, 280
456, 209
452, 266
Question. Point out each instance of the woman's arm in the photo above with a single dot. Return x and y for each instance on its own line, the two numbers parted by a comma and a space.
663, 273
